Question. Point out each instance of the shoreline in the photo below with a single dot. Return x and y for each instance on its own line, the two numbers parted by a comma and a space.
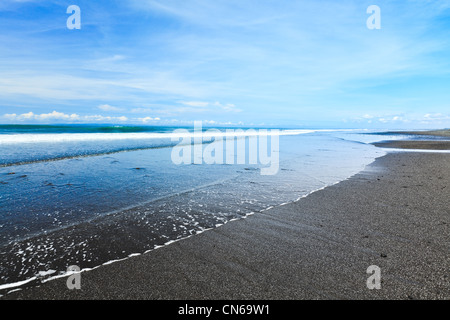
36, 280
316, 248
118, 234
439, 133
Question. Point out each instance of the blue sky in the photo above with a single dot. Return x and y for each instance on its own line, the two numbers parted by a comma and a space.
252, 62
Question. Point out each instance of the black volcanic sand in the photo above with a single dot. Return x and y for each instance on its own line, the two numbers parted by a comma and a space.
424, 145
395, 214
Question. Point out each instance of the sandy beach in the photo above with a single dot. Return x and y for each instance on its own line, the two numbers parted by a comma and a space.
395, 215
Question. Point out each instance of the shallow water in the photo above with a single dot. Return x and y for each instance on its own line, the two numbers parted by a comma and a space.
86, 211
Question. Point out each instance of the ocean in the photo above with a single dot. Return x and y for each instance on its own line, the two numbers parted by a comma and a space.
87, 195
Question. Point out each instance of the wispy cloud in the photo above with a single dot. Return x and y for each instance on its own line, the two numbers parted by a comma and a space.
107, 107
148, 119
200, 104
229, 107
414, 120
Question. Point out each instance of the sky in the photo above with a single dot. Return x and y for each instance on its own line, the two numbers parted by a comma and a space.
299, 63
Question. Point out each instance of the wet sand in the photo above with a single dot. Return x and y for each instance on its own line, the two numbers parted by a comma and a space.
395, 215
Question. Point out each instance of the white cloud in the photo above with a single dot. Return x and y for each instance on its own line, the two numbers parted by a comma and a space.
99, 118
107, 107
60, 117
200, 104
10, 116
435, 119
44, 116
436, 116
148, 119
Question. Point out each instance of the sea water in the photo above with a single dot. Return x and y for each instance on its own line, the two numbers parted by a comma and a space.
86, 195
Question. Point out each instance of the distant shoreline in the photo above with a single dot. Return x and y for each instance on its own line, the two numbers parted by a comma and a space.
418, 144
439, 133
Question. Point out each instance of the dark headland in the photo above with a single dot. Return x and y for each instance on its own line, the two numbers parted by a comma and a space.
395, 214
